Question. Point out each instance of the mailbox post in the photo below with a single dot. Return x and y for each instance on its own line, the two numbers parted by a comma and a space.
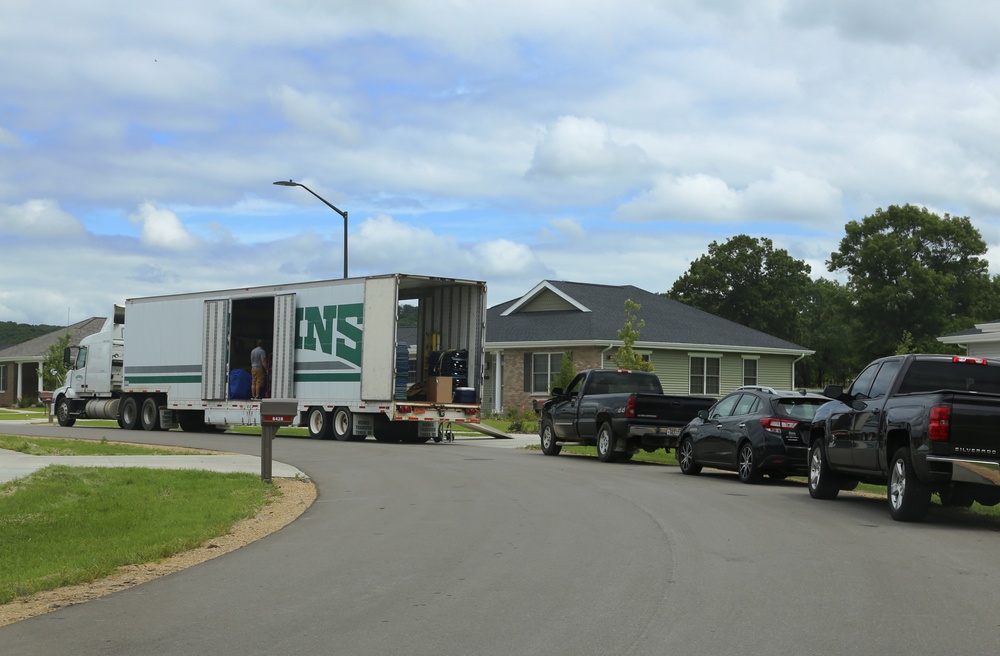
274, 413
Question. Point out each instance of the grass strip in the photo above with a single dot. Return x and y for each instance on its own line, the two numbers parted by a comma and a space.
54, 446
65, 525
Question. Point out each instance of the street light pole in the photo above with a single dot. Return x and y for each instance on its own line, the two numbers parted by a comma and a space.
282, 183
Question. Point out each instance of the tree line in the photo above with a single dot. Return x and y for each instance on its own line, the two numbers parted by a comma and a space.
15, 333
911, 277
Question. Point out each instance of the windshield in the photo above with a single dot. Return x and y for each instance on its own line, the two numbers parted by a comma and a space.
616, 382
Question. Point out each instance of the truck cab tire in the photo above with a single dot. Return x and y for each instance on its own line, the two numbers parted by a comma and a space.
318, 422
548, 435
63, 412
909, 498
130, 413
606, 444
343, 424
150, 414
823, 483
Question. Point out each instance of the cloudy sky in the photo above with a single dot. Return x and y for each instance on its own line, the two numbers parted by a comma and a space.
510, 142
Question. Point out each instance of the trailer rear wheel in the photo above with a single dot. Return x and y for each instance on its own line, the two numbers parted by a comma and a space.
150, 414
343, 424
130, 413
318, 422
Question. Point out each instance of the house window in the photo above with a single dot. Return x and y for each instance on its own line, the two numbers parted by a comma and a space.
3, 377
749, 372
544, 367
705, 374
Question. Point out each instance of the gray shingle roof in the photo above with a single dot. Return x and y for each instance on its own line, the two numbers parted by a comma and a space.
667, 321
38, 348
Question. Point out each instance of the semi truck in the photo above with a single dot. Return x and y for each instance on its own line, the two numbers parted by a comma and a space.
334, 346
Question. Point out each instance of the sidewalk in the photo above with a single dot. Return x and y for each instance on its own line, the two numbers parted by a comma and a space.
15, 465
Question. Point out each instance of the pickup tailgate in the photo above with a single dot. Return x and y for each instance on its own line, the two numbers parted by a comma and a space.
659, 419
974, 425
670, 410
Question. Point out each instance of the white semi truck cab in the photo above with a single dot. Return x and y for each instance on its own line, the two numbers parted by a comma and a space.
93, 383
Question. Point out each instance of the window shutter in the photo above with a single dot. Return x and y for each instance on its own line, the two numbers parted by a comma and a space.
527, 372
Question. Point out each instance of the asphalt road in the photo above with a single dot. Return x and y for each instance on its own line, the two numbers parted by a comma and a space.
461, 549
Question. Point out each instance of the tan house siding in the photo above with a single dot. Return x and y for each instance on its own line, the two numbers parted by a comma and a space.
547, 303
776, 370
514, 395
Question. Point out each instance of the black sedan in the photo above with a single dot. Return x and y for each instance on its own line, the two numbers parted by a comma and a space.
752, 431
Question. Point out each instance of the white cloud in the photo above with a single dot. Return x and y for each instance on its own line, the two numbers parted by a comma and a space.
162, 228
39, 218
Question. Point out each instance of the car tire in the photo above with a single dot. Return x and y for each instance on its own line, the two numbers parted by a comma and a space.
747, 466
343, 424
63, 413
548, 437
685, 458
318, 423
606, 444
909, 498
130, 413
823, 483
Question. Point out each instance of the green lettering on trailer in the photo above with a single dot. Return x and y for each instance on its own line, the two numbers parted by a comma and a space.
319, 328
352, 331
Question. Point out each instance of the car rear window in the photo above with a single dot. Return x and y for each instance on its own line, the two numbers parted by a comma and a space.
804, 409
931, 375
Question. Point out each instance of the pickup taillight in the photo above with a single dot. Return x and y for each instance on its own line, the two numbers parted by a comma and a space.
777, 425
939, 425
630, 407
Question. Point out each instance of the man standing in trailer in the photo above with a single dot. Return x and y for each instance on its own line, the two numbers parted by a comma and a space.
258, 369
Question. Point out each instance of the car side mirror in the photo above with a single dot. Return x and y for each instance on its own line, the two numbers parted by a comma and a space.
703, 414
68, 357
833, 391
557, 391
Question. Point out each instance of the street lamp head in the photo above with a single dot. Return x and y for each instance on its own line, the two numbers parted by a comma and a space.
282, 183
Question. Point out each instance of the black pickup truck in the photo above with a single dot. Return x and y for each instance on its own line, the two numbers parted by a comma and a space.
918, 424
619, 411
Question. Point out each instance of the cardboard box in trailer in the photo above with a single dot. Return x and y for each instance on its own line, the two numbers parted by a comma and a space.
334, 346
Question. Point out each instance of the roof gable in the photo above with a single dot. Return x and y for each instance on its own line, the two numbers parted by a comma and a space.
545, 297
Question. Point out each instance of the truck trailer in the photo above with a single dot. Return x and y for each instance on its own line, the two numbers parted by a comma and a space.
334, 346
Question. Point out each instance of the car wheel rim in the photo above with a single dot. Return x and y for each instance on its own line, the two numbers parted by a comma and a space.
815, 468
686, 455
547, 438
746, 462
603, 442
897, 484
341, 423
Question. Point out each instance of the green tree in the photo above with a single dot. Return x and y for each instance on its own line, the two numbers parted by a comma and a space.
567, 372
748, 281
625, 357
829, 323
54, 362
913, 272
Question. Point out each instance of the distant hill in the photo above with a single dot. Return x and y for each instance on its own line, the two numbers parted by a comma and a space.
14, 333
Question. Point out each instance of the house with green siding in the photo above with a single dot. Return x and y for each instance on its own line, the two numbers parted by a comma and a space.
692, 352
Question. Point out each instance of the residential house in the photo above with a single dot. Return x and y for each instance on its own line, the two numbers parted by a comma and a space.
692, 352
983, 341
21, 364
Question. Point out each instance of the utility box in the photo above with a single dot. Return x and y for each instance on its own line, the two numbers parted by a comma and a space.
278, 412
440, 389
